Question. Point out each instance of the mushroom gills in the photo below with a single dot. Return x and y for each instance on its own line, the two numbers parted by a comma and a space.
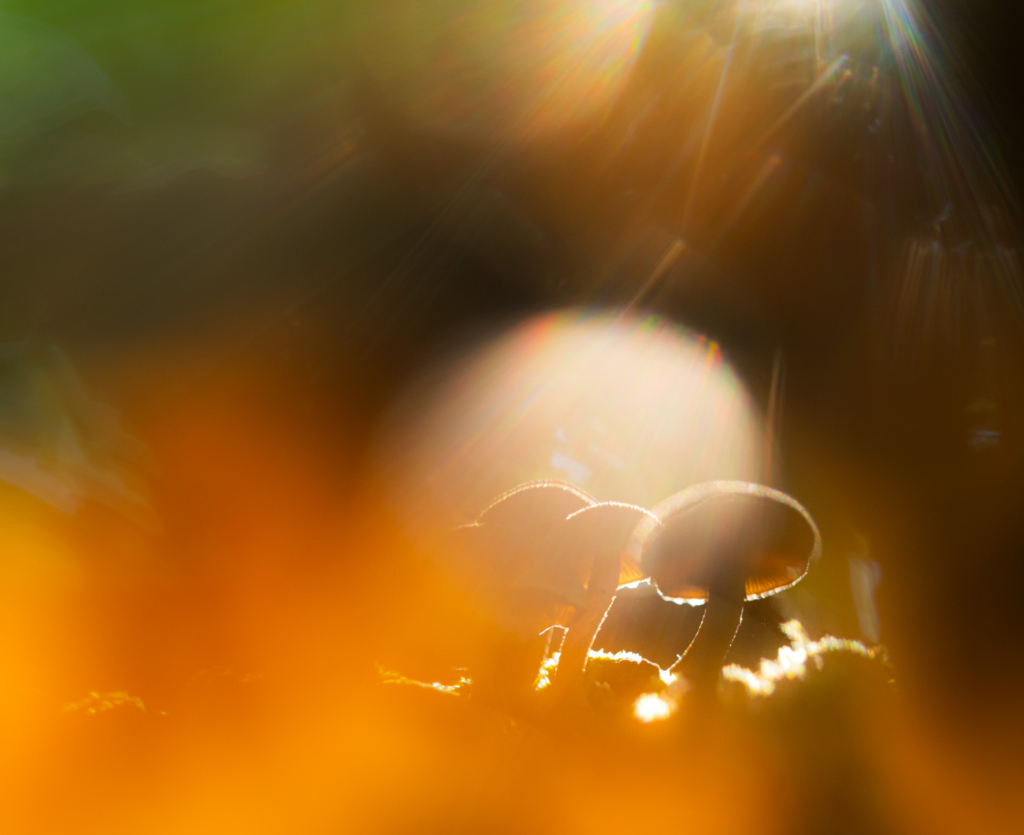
726, 542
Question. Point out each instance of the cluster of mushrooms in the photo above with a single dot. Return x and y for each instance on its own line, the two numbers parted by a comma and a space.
547, 554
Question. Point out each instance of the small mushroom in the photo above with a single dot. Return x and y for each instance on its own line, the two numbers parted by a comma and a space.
518, 512
498, 562
725, 542
592, 545
547, 554
494, 550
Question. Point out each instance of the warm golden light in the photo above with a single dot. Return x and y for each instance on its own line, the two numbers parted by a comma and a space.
328, 385
653, 707
630, 409
792, 660
503, 69
390, 677
101, 702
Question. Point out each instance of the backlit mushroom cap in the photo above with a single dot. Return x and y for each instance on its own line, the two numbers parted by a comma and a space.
502, 555
512, 527
727, 528
533, 552
585, 538
532, 505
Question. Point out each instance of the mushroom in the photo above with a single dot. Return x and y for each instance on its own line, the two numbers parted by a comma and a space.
546, 554
517, 514
494, 559
493, 551
723, 543
592, 544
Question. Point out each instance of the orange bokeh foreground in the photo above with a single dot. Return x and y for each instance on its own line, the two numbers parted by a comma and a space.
234, 660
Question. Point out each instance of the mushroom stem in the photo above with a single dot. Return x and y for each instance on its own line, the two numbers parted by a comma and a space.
701, 664
583, 628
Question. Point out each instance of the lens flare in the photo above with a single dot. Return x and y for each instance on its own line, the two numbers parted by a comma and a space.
628, 409
502, 70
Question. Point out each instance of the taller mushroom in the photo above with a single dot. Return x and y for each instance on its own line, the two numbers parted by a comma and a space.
590, 547
723, 543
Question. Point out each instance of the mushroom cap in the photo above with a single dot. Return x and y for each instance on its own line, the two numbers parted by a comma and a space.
516, 523
574, 548
530, 553
535, 503
721, 532
496, 555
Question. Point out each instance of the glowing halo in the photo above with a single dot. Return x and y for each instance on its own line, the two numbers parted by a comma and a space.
628, 409
502, 69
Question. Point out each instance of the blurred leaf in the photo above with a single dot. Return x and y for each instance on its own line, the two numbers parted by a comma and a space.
46, 81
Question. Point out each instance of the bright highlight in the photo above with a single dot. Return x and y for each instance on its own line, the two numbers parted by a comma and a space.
791, 662
653, 707
102, 702
629, 409
503, 69
390, 677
